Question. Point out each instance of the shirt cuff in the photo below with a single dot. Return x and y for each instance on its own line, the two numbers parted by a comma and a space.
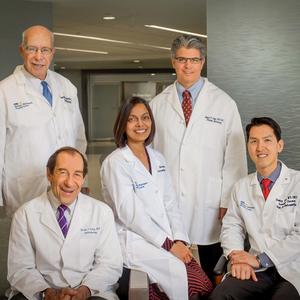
167, 245
265, 260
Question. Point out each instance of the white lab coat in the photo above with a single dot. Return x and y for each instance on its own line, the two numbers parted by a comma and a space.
40, 257
30, 131
273, 225
205, 159
146, 212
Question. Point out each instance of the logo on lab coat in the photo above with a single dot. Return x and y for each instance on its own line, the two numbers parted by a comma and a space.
289, 201
243, 204
161, 168
214, 119
140, 185
66, 99
90, 230
20, 105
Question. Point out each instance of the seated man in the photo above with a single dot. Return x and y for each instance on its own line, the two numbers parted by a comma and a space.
266, 206
63, 244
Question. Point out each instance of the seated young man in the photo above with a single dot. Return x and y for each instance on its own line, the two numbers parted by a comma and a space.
266, 206
63, 244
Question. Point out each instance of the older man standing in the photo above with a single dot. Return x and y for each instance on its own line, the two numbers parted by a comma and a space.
63, 244
199, 132
39, 112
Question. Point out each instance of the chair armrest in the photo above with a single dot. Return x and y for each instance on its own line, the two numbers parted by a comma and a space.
221, 265
138, 285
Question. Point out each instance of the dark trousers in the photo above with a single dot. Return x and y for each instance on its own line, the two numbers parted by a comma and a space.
209, 256
270, 285
22, 297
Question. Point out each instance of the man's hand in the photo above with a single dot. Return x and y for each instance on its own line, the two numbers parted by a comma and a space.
222, 213
243, 257
59, 294
243, 272
83, 292
181, 251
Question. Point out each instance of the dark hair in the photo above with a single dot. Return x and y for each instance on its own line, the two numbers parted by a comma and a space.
264, 121
121, 121
52, 159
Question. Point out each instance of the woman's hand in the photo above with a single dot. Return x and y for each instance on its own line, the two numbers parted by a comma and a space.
181, 251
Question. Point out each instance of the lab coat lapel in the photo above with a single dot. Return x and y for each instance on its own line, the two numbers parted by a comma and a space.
278, 188
78, 218
174, 101
48, 218
30, 94
135, 163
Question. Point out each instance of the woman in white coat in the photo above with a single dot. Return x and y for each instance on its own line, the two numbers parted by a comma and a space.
137, 185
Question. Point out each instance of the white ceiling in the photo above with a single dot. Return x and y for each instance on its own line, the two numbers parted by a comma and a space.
84, 17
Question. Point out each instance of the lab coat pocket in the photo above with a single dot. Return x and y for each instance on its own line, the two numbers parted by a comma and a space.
285, 219
87, 245
214, 189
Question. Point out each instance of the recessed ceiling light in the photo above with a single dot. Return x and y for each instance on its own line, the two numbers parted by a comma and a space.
136, 61
63, 68
81, 50
106, 40
176, 30
152, 74
109, 18
90, 38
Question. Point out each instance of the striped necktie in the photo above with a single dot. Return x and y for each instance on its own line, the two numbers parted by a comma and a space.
46, 92
62, 221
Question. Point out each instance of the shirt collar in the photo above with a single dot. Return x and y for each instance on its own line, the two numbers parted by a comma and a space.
194, 89
273, 176
55, 203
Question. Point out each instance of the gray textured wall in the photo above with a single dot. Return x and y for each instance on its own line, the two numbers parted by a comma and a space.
15, 16
254, 55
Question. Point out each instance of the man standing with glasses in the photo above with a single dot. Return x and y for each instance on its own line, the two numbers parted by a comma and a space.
39, 113
199, 132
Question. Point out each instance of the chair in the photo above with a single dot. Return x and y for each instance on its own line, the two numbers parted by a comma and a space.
221, 268
133, 285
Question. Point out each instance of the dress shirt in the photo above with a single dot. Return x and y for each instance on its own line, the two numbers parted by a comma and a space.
55, 204
36, 82
194, 90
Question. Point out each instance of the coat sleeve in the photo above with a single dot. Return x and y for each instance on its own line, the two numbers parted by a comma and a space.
233, 228
235, 162
108, 262
80, 142
2, 141
119, 193
23, 275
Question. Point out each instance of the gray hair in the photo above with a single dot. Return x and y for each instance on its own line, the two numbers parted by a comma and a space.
188, 41
24, 35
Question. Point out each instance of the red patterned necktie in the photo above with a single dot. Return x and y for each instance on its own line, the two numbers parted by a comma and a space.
187, 106
266, 190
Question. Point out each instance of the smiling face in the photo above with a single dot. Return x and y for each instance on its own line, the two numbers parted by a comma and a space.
67, 178
138, 126
188, 73
37, 63
263, 148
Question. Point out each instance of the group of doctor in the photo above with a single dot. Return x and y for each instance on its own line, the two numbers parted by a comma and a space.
64, 245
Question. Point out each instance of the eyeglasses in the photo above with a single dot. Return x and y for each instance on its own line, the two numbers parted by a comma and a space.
193, 60
33, 50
